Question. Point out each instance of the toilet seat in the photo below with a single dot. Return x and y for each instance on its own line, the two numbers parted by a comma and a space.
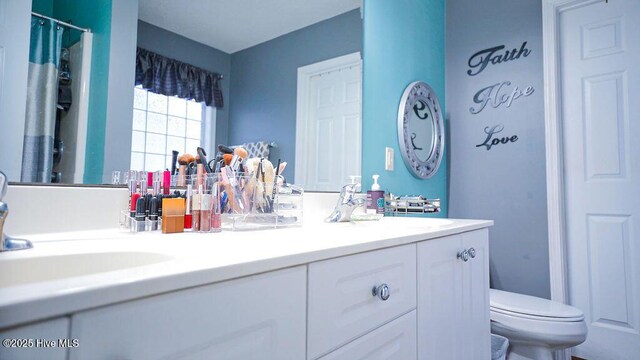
530, 307
536, 317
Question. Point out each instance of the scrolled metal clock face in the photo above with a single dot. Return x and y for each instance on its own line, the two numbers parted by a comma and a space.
420, 130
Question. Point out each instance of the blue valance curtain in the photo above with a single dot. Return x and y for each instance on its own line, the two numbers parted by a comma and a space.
170, 77
39, 128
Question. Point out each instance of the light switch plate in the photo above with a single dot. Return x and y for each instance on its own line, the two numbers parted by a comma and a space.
388, 159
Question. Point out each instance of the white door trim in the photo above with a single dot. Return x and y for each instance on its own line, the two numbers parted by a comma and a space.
302, 104
551, 10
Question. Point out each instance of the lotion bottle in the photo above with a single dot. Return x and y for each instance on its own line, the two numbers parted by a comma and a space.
375, 198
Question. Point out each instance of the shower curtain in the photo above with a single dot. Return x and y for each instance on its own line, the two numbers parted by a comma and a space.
39, 128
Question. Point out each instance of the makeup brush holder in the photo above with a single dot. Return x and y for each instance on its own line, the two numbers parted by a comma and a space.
262, 206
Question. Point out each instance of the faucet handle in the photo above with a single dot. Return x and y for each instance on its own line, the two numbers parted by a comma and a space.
346, 194
3, 185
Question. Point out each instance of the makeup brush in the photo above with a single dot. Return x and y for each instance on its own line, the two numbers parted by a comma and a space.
241, 152
203, 160
227, 158
174, 161
183, 161
225, 149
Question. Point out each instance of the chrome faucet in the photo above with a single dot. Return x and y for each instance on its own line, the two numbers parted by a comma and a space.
346, 204
8, 243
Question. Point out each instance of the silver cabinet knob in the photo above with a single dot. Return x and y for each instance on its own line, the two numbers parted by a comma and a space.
381, 291
464, 255
472, 252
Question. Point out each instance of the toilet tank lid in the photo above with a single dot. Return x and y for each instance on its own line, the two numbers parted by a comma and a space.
531, 305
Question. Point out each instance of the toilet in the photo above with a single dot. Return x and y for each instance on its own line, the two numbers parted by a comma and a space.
535, 327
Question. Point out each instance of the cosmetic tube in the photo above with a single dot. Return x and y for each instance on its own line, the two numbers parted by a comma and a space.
157, 183
142, 184
205, 212
196, 201
182, 177
153, 214
199, 176
187, 215
140, 214
166, 182
216, 213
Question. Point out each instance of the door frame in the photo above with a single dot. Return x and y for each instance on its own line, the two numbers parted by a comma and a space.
303, 100
551, 11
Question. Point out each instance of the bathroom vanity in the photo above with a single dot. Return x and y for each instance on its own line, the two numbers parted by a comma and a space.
398, 288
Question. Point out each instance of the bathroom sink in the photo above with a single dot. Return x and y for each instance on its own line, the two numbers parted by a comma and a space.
26, 270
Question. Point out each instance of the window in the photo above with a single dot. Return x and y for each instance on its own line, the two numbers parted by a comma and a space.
162, 124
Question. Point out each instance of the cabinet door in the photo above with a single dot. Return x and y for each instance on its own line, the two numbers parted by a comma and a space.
341, 304
393, 341
476, 296
453, 298
50, 331
440, 299
258, 317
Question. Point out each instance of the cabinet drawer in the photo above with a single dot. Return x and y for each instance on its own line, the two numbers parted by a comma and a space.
393, 341
51, 331
258, 317
341, 304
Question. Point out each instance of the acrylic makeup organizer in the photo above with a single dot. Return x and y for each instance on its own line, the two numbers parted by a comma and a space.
246, 203
263, 206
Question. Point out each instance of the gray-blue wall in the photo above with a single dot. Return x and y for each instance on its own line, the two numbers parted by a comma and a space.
264, 81
178, 47
507, 183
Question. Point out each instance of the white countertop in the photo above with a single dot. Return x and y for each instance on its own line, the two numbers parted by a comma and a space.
198, 259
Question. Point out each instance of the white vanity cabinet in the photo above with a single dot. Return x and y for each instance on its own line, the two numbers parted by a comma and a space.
453, 297
44, 340
410, 296
257, 317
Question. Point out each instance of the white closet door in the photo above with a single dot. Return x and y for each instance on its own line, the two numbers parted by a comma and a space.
14, 66
600, 58
333, 138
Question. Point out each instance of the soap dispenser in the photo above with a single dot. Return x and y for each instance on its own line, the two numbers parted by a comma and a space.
375, 198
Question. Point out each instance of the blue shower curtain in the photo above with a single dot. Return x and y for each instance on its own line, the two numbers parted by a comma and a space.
39, 128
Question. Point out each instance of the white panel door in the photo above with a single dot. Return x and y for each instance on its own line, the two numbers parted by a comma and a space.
14, 65
334, 129
600, 65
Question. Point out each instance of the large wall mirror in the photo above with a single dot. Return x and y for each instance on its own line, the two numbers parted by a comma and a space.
285, 79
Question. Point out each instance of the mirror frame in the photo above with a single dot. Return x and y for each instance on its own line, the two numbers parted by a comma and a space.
420, 90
